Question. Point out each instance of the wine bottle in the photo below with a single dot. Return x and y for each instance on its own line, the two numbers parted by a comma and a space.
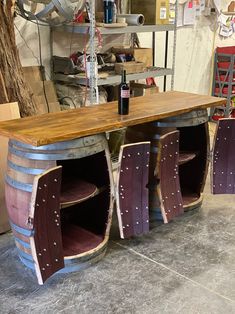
124, 96
108, 11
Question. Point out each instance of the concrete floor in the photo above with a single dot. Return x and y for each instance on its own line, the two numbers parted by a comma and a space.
186, 267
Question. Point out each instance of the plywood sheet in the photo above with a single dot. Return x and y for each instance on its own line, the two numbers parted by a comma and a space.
7, 112
40, 99
33, 73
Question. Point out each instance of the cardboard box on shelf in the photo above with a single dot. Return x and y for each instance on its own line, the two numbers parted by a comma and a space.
144, 55
130, 67
140, 54
154, 11
231, 7
138, 89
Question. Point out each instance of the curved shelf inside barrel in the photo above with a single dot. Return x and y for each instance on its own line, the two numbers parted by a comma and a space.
87, 240
74, 191
185, 157
190, 198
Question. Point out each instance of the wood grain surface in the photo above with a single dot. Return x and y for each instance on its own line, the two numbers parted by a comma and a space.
62, 126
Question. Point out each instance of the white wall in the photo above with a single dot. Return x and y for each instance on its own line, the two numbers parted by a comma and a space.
29, 45
195, 46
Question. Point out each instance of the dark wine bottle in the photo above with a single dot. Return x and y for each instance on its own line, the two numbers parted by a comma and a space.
124, 96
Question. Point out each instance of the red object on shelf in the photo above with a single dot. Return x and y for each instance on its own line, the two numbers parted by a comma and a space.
150, 81
224, 90
227, 50
224, 65
219, 114
223, 78
232, 114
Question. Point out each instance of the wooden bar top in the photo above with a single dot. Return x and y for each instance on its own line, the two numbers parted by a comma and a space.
71, 124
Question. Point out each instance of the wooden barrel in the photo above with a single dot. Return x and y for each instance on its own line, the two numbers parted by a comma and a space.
194, 140
86, 166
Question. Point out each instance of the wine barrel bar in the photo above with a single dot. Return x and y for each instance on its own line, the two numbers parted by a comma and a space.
72, 141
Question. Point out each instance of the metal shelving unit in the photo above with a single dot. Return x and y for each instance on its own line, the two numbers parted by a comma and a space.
83, 29
91, 28
113, 79
224, 81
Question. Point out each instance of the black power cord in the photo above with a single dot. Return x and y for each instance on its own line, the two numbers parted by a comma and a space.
41, 65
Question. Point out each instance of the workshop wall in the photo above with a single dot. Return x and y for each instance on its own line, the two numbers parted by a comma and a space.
195, 46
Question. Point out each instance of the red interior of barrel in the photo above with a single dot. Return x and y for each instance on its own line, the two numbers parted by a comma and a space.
85, 195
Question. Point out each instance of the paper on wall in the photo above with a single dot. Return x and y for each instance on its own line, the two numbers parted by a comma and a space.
197, 7
222, 19
189, 13
180, 15
226, 31
202, 5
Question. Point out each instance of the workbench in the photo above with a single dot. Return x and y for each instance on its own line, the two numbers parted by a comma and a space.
59, 183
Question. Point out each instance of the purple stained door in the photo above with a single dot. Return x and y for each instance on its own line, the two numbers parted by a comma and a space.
132, 193
223, 161
44, 217
167, 171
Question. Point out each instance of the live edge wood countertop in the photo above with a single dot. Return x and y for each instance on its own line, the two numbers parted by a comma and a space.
76, 123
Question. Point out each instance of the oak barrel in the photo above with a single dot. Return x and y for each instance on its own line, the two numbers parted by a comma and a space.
194, 141
87, 158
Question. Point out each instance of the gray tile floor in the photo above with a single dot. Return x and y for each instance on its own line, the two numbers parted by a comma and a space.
186, 267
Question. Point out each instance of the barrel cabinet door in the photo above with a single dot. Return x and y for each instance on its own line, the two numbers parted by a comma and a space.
167, 172
44, 216
223, 163
131, 192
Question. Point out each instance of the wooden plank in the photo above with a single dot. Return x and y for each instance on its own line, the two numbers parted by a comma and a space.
223, 165
3, 95
132, 193
7, 112
39, 96
44, 217
168, 175
62, 126
33, 73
